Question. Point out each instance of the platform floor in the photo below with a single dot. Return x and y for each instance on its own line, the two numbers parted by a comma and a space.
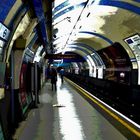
65, 115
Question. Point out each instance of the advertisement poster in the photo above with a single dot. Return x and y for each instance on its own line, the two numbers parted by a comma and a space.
117, 62
134, 43
22, 90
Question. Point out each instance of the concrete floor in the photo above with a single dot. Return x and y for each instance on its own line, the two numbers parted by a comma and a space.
65, 115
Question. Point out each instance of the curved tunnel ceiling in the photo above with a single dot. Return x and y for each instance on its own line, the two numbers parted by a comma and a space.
96, 23
90, 51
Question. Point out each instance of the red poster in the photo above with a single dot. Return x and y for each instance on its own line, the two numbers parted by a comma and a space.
22, 90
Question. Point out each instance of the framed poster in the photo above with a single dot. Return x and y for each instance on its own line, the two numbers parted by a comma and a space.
22, 90
134, 43
117, 62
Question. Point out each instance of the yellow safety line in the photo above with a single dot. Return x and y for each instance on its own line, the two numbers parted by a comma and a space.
108, 111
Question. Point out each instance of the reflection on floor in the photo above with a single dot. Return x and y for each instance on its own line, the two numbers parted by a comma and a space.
65, 115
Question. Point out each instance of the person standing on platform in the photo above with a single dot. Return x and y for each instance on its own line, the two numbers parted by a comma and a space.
53, 78
62, 74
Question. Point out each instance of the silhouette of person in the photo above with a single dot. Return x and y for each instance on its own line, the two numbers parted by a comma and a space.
62, 74
53, 78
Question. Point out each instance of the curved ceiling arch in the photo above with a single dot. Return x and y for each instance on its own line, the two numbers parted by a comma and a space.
95, 41
118, 4
121, 4
106, 22
98, 35
87, 54
60, 6
78, 49
79, 52
84, 46
89, 59
70, 8
100, 61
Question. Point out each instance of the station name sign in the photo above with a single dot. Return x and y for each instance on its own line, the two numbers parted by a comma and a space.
4, 32
61, 56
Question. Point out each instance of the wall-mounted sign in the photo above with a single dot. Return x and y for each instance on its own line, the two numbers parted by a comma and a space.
134, 43
4, 32
61, 56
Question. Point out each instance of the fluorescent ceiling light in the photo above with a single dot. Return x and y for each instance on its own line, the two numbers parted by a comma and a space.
57, 60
